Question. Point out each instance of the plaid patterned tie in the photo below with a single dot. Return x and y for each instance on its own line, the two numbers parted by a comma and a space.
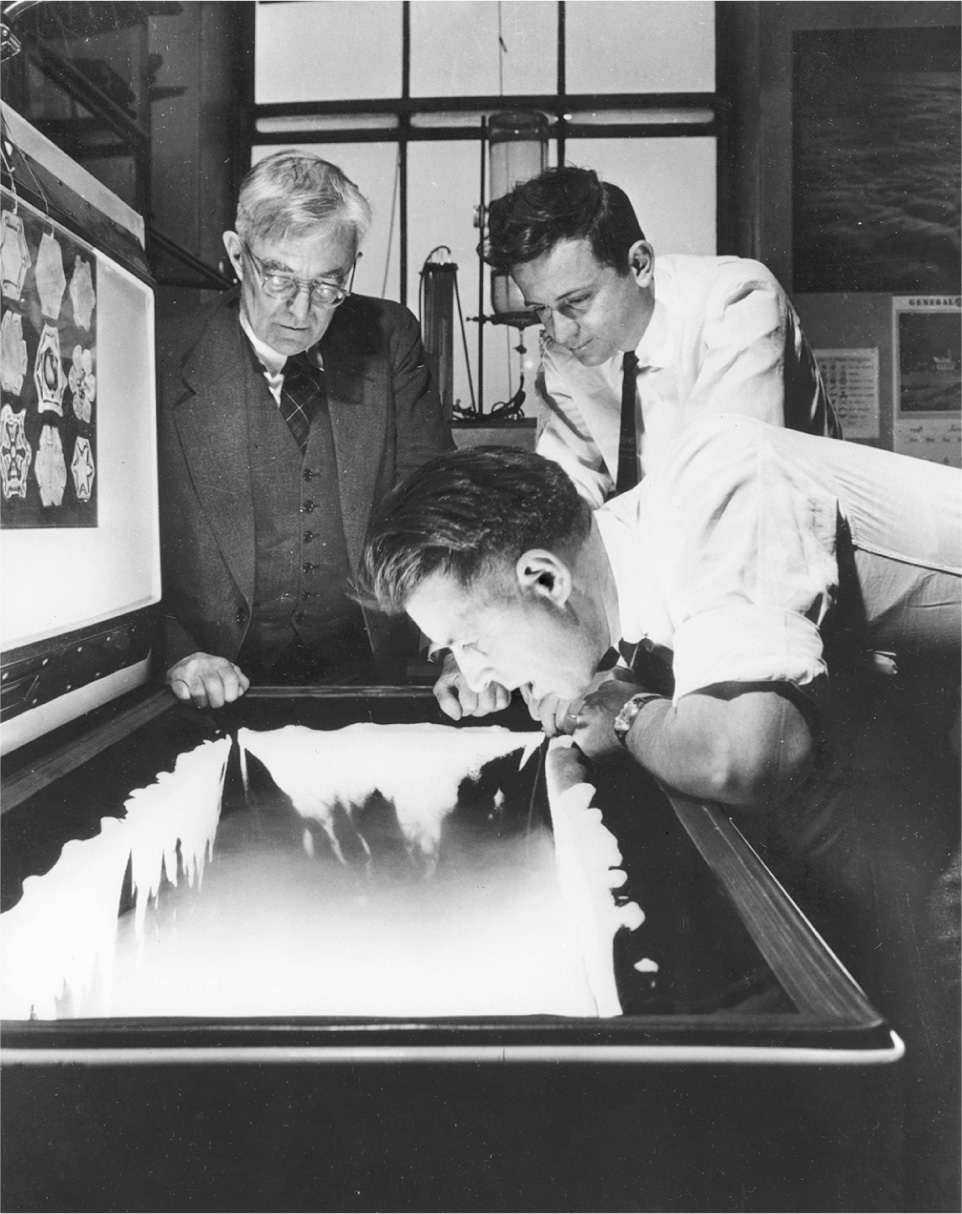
302, 394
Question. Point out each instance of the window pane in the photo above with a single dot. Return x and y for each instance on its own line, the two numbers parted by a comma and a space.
373, 167
671, 183
637, 117
622, 46
455, 50
449, 118
279, 124
327, 50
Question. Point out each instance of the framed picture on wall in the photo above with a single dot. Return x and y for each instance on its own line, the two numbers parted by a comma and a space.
877, 159
79, 513
48, 334
927, 365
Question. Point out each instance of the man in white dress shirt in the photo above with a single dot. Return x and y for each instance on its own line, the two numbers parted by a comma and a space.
752, 565
789, 615
710, 334
635, 351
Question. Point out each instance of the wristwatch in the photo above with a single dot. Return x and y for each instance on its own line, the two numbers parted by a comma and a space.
629, 710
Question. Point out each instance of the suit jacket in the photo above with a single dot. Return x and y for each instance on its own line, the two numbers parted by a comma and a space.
385, 418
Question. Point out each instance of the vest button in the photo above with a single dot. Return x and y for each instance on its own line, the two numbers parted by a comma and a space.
241, 615
308, 536
310, 567
308, 507
309, 474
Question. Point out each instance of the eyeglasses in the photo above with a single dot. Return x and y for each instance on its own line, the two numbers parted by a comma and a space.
279, 284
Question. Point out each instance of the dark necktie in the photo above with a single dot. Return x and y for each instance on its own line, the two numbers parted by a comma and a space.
628, 437
302, 394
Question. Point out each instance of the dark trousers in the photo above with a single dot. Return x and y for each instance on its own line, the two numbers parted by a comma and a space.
881, 883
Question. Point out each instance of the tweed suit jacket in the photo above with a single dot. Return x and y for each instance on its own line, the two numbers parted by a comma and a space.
385, 418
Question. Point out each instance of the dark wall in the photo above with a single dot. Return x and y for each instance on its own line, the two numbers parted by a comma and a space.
759, 165
199, 137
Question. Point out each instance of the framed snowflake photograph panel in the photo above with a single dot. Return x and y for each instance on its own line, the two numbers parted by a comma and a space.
48, 330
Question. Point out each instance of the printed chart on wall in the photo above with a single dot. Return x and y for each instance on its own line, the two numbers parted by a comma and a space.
48, 340
851, 380
927, 365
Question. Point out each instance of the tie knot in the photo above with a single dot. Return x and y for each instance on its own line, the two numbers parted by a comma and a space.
305, 361
629, 362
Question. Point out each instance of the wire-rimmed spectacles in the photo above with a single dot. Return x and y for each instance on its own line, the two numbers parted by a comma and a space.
281, 284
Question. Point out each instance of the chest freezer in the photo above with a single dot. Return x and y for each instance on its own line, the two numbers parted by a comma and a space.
327, 950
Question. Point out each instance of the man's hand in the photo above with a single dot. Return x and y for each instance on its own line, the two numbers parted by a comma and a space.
590, 717
457, 699
207, 680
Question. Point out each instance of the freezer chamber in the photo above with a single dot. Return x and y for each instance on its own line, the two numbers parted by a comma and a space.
744, 1070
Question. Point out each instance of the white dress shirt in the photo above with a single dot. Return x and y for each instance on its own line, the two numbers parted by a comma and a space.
727, 554
272, 362
723, 338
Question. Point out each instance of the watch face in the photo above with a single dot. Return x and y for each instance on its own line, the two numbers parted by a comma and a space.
629, 710
622, 722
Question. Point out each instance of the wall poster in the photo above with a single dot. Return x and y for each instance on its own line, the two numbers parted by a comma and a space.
48, 372
851, 380
877, 157
927, 365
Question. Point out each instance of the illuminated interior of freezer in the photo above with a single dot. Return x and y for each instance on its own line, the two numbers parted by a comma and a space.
373, 870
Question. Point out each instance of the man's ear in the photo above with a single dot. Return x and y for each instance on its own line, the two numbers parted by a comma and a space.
544, 575
641, 261
234, 246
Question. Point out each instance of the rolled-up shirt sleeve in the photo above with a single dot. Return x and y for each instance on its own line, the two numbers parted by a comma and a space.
746, 643
746, 545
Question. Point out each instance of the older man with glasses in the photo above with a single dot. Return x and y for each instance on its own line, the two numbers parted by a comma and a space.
286, 414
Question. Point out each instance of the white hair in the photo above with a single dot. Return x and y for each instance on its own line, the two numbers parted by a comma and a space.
291, 193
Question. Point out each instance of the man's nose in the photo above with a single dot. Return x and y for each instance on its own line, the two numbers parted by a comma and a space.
561, 328
299, 303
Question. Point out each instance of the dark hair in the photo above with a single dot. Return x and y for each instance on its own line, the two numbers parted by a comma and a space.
464, 513
565, 203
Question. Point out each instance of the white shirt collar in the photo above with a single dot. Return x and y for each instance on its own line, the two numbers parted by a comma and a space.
654, 349
273, 362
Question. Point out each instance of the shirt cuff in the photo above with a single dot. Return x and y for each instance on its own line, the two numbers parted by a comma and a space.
745, 643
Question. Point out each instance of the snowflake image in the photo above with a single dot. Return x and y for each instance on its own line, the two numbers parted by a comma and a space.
82, 294
49, 467
15, 454
14, 254
48, 372
82, 467
13, 352
83, 382
51, 280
